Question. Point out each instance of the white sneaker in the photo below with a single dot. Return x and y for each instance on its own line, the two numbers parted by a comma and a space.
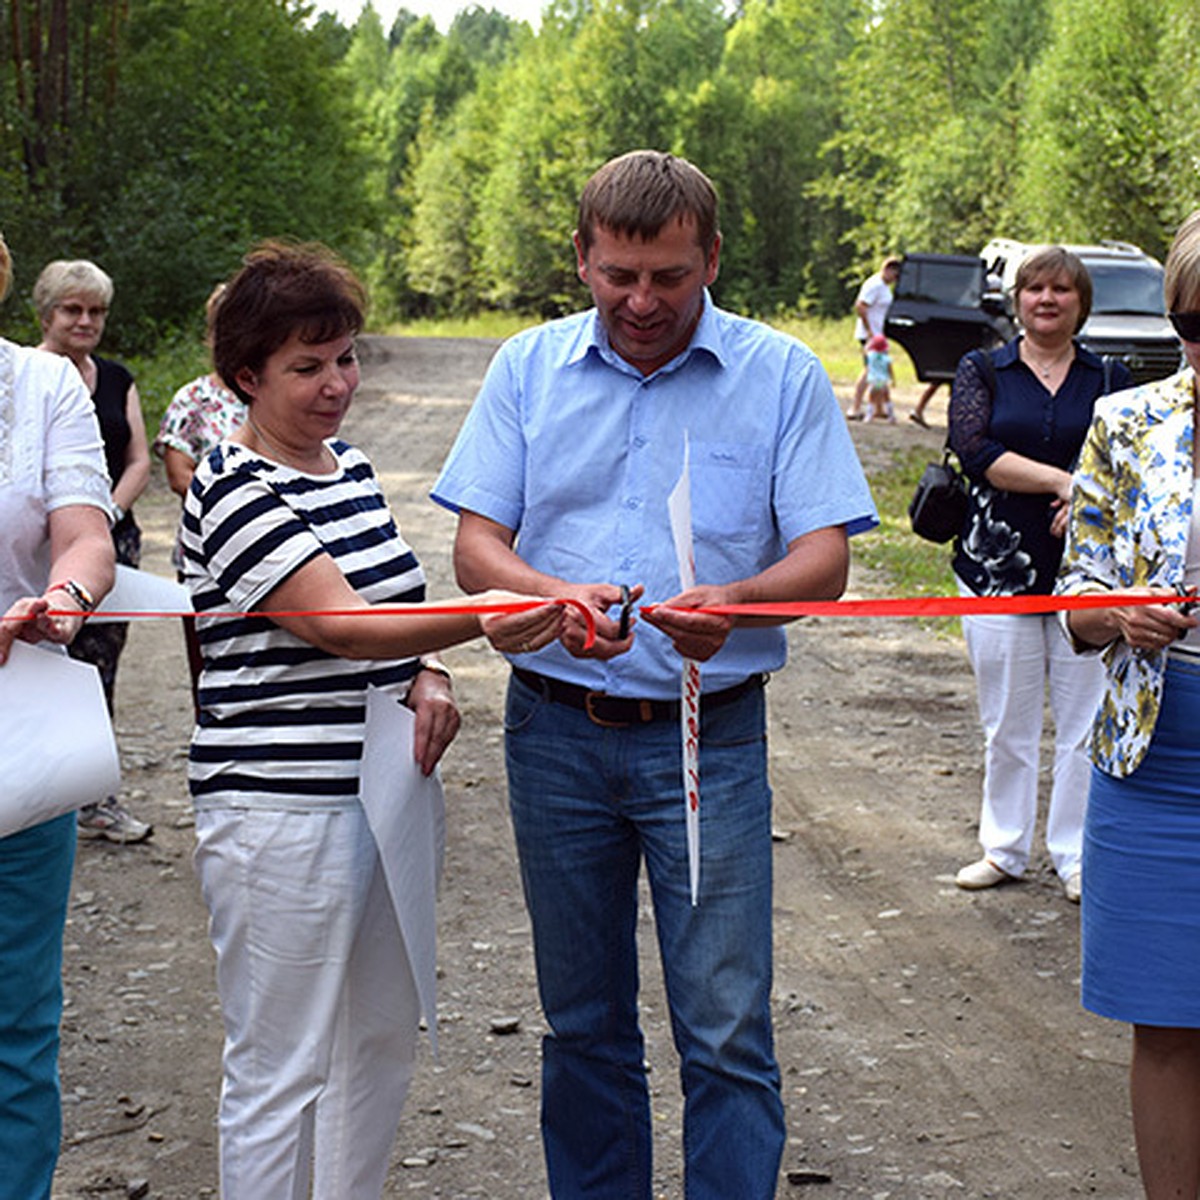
1073, 887
981, 874
111, 821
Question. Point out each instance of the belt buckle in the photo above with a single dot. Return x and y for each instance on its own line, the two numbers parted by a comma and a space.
588, 701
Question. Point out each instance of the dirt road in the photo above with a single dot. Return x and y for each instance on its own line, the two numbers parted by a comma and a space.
931, 1040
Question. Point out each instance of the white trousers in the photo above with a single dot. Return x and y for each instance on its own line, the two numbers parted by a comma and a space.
318, 1001
1014, 658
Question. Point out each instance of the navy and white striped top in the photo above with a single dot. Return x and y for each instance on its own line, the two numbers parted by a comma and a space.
281, 722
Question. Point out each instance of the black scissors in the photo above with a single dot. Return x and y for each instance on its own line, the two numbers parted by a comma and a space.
626, 609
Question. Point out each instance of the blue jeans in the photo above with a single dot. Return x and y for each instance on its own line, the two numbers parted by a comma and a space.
588, 805
35, 883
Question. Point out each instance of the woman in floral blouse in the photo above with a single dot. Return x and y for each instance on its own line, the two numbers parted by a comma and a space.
1018, 417
1135, 526
201, 415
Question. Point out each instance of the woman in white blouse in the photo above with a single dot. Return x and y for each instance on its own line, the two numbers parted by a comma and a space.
55, 555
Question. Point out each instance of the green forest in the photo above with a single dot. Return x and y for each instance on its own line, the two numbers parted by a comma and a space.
162, 137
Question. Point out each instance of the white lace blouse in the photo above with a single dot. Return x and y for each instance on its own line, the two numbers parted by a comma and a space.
51, 455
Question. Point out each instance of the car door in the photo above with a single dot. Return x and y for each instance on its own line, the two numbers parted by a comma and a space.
941, 311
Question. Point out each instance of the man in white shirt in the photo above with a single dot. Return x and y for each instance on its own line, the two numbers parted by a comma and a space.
870, 309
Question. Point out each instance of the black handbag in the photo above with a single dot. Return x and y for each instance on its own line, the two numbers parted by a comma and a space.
939, 505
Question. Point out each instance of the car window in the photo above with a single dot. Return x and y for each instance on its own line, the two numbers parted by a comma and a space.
1126, 287
955, 284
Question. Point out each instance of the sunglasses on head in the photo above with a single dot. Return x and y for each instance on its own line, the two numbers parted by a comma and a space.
1187, 325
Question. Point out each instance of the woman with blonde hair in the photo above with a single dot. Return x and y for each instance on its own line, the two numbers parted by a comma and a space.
1135, 526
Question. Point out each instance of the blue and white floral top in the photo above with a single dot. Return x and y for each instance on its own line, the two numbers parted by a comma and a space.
1131, 511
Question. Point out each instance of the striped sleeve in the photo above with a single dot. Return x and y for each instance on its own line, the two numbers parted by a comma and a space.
281, 720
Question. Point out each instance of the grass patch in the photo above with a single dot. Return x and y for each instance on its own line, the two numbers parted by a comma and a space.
908, 565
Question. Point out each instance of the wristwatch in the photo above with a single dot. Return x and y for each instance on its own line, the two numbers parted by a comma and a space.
118, 515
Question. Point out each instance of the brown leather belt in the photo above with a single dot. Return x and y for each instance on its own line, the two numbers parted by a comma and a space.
615, 712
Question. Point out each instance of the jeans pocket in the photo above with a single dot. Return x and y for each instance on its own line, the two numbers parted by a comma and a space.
742, 723
520, 706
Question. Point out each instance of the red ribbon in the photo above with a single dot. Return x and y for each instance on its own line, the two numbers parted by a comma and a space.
371, 610
935, 606
896, 606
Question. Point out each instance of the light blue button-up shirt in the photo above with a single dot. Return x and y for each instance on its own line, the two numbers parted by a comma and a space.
574, 449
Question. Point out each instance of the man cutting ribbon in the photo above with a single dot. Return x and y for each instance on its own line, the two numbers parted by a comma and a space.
560, 477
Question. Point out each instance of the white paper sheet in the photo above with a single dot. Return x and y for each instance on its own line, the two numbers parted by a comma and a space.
57, 750
679, 507
142, 592
407, 815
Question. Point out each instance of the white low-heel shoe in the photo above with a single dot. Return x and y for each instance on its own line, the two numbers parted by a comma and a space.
982, 874
1073, 887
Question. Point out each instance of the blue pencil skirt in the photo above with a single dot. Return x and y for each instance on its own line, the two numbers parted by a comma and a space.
1141, 873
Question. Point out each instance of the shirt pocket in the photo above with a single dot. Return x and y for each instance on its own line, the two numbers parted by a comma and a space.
731, 492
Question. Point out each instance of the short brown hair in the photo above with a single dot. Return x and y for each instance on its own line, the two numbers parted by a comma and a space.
1054, 261
1181, 271
638, 193
283, 288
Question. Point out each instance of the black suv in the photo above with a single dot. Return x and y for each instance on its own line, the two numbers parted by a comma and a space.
1127, 321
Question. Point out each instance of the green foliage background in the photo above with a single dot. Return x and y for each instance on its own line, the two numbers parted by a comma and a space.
163, 137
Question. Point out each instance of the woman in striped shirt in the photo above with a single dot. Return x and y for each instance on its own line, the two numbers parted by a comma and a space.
319, 1004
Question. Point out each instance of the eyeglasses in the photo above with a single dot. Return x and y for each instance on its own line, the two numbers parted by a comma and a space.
1187, 325
97, 312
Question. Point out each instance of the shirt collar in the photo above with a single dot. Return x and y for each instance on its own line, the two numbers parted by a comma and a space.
1171, 398
1009, 353
593, 338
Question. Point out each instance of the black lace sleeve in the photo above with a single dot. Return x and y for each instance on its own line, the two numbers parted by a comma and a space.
970, 417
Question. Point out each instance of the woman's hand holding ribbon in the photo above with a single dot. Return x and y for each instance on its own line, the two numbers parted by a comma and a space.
525, 631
